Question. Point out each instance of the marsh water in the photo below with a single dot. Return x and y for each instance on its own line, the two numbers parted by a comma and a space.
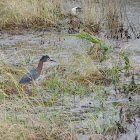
24, 49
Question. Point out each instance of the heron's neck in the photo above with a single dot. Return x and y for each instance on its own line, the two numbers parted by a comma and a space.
40, 66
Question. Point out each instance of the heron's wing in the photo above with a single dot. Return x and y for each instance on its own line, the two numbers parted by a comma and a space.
30, 76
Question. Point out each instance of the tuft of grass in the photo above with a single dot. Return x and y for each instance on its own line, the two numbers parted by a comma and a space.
8, 80
113, 23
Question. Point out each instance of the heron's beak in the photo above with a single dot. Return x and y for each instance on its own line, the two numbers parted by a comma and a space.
52, 60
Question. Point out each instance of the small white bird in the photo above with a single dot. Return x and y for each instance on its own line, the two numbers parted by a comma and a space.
75, 10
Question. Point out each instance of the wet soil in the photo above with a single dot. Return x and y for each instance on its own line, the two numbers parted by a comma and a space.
24, 49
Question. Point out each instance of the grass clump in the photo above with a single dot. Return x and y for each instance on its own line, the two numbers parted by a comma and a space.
29, 13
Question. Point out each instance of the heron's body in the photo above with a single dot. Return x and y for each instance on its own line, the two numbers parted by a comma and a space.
29, 77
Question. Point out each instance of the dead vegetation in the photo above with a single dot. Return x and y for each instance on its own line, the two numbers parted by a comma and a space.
94, 16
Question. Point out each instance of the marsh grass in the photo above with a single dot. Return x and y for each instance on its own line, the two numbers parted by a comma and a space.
8, 78
95, 16
103, 15
22, 120
39, 116
50, 112
113, 17
22, 123
32, 13
92, 16
31, 117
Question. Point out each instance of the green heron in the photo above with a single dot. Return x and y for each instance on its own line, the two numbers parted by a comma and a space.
34, 73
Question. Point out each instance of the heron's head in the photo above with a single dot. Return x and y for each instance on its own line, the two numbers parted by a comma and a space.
46, 58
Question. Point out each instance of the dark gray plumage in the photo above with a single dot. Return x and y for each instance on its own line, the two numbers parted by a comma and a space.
44, 57
30, 76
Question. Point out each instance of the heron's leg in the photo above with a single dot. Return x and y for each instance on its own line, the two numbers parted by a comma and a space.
32, 89
22, 88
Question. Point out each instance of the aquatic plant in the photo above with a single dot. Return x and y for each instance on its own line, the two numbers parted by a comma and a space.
94, 40
126, 61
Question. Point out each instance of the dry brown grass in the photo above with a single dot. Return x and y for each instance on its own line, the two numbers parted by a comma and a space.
80, 66
113, 18
13, 131
86, 77
95, 15
19, 119
29, 13
96, 52
16, 130
8, 82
